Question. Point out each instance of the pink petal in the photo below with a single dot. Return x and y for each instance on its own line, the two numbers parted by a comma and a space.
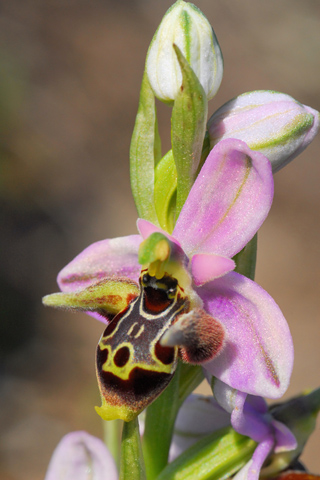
118, 256
146, 228
208, 267
245, 418
258, 354
228, 202
285, 440
80, 455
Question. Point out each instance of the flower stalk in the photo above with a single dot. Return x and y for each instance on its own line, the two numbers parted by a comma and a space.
158, 432
131, 460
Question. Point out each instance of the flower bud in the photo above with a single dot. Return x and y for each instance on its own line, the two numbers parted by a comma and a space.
81, 456
269, 122
185, 26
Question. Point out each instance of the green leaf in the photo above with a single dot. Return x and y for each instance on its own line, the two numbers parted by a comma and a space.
145, 152
215, 457
190, 378
188, 127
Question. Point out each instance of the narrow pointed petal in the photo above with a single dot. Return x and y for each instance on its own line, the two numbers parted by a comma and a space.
81, 456
115, 257
251, 471
245, 418
105, 298
258, 354
232, 193
209, 267
285, 440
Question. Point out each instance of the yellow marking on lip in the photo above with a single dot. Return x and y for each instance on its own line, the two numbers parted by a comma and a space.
131, 328
141, 330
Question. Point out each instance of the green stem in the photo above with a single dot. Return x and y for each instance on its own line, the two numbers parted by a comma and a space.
215, 457
131, 461
190, 377
160, 419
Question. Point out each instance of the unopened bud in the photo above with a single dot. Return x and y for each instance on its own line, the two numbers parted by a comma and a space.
299, 414
81, 456
272, 123
185, 26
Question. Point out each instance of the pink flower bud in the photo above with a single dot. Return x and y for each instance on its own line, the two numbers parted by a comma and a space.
269, 122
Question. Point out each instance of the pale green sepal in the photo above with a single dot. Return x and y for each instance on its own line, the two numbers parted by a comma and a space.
246, 259
165, 190
131, 461
300, 415
188, 128
145, 152
109, 296
159, 426
215, 457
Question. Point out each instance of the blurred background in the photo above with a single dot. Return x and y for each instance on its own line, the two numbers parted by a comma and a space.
70, 73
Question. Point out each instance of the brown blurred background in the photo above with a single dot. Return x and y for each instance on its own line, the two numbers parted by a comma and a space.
70, 73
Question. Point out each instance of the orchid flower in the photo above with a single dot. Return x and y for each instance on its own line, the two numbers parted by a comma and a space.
227, 322
269, 434
280, 431
250, 417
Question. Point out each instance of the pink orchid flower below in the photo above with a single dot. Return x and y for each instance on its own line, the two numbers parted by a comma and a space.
80, 455
226, 321
200, 416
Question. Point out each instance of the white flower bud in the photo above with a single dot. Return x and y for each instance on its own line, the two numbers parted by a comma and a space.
187, 27
272, 123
